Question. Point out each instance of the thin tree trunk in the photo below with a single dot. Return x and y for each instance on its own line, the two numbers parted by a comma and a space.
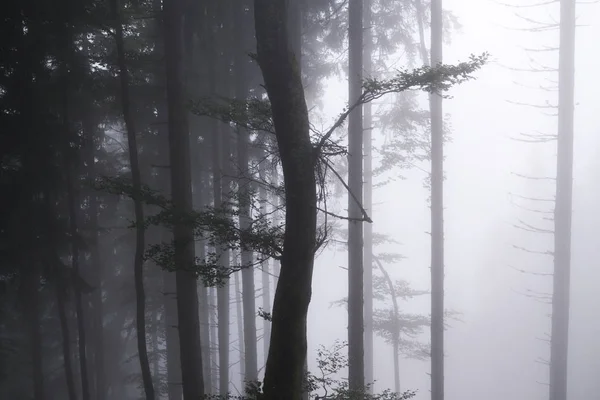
214, 337
97, 272
368, 198
83, 362
66, 340
396, 319
32, 312
205, 338
247, 257
437, 214
181, 191
240, 326
356, 367
266, 276
223, 295
287, 353
564, 203
138, 264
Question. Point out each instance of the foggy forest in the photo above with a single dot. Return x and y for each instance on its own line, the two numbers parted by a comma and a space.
299, 200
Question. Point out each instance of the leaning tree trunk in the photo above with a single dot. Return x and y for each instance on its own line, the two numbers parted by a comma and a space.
563, 207
437, 214
356, 367
181, 193
240, 325
368, 198
287, 352
138, 263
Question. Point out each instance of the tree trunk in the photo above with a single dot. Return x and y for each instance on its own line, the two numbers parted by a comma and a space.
181, 192
247, 257
97, 272
281, 73
205, 338
266, 276
356, 368
174, 388
240, 326
368, 198
212, 293
223, 295
138, 263
396, 319
563, 207
66, 340
83, 362
437, 214
32, 312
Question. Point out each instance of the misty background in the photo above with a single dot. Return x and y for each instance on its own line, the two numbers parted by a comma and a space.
495, 352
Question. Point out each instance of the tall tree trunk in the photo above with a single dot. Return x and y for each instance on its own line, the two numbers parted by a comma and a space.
205, 338
138, 263
181, 191
66, 340
266, 276
396, 327
437, 214
563, 207
83, 362
32, 312
240, 326
287, 352
174, 388
97, 271
368, 198
247, 257
214, 337
171, 321
356, 369
223, 292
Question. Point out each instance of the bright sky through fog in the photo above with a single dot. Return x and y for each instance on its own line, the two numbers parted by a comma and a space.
492, 355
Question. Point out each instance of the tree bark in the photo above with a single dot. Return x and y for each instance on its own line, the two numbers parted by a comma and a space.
240, 326
368, 198
181, 192
174, 388
66, 340
247, 257
266, 276
437, 214
32, 312
97, 273
138, 263
281, 73
564, 204
83, 361
356, 367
